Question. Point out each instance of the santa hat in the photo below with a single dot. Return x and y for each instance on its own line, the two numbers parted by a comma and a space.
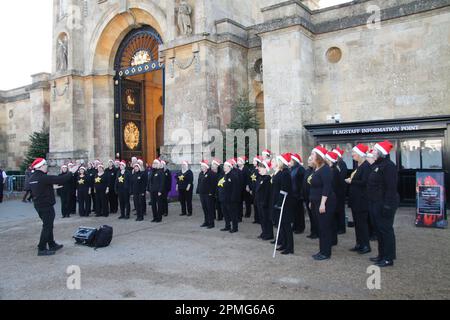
229, 163
39, 162
117, 161
163, 162
338, 151
138, 165
385, 147
140, 161
321, 151
204, 163
267, 165
285, 158
296, 157
267, 152
82, 168
100, 165
70, 164
258, 159
216, 161
242, 159
185, 163
369, 154
63, 166
361, 149
97, 161
123, 162
157, 161
332, 156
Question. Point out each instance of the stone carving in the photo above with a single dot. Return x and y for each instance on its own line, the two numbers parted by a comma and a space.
62, 54
184, 12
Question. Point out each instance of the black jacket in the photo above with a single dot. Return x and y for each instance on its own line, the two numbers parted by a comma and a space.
229, 191
185, 179
321, 184
83, 183
123, 182
101, 182
263, 191
91, 173
111, 173
41, 186
307, 183
282, 182
297, 176
336, 182
358, 199
168, 182
342, 168
157, 181
138, 183
207, 183
383, 183
254, 175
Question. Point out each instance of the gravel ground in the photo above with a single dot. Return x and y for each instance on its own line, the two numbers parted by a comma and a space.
179, 260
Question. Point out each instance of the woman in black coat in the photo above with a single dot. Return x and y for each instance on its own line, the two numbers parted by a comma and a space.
83, 192
263, 193
101, 182
282, 188
63, 191
185, 186
322, 201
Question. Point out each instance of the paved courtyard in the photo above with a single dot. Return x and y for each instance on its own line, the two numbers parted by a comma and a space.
179, 260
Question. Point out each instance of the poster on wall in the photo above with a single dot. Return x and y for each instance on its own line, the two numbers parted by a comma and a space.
430, 193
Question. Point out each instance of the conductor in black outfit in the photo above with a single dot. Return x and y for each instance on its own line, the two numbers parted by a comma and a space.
43, 193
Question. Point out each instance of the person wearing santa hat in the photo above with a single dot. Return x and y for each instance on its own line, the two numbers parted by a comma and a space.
282, 183
263, 194
331, 159
91, 172
144, 177
370, 158
185, 186
63, 191
229, 195
358, 199
322, 201
168, 185
216, 168
313, 220
206, 188
266, 155
383, 202
101, 182
157, 189
254, 174
246, 197
42, 189
297, 175
137, 189
111, 172
83, 191
341, 166
122, 188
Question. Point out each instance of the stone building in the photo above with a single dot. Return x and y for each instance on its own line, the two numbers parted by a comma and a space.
127, 73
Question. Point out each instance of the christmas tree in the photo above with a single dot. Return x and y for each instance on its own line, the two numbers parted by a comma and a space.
39, 147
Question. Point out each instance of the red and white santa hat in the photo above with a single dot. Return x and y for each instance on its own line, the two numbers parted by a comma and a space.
229, 163
385, 147
233, 161
64, 166
332, 156
361, 149
370, 154
321, 151
204, 163
339, 152
138, 165
163, 162
100, 165
39, 162
297, 157
185, 163
242, 159
216, 162
258, 159
267, 165
285, 158
157, 161
123, 163
82, 168
267, 152
70, 164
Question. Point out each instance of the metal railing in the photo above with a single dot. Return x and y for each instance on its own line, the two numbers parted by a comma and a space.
14, 184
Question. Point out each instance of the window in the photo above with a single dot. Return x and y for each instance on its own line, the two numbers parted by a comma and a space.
432, 154
421, 154
410, 154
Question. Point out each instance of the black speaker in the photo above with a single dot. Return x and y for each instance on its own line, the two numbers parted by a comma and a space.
85, 235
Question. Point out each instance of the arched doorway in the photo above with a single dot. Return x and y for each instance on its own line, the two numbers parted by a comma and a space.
139, 95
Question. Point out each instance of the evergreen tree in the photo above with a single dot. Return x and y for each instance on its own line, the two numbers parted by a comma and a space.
39, 147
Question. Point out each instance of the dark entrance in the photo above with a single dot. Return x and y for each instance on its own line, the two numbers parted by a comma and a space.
139, 95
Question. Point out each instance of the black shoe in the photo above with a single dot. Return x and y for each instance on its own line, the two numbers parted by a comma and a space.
373, 238
281, 248
385, 263
364, 250
203, 225
220, 219
225, 229
127, 217
233, 231
240, 220
158, 221
272, 242
287, 252
376, 259
210, 227
121, 217
56, 247
321, 257
98, 215
183, 214
355, 248
267, 238
341, 232
140, 219
255, 222
248, 215
42, 253
154, 220
313, 236
166, 214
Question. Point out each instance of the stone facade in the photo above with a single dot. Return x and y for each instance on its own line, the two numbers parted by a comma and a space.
315, 62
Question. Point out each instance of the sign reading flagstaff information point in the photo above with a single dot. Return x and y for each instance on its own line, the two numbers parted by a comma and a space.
430, 189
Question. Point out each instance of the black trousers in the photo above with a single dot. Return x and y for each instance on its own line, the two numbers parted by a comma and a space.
157, 205
72, 202
361, 220
65, 209
83, 203
93, 204
124, 202
326, 224
299, 215
340, 213
101, 203
47, 216
218, 209
384, 228
137, 199
209, 208
1, 190
165, 203
185, 198
27, 196
112, 201
265, 220
143, 203
286, 235
230, 214
248, 200
314, 224
258, 218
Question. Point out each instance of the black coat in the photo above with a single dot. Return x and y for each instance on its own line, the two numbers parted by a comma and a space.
41, 186
297, 176
207, 183
91, 173
307, 183
342, 168
321, 184
168, 182
157, 181
254, 175
111, 173
83, 183
282, 182
336, 181
123, 182
185, 179
263, 191
138, 183
358, 199
383, 183
231, 192
101, 182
